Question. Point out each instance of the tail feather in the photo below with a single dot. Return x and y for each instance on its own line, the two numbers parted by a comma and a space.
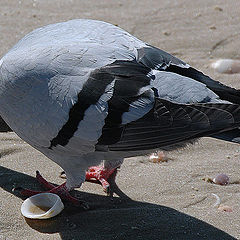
170, 123
230, 136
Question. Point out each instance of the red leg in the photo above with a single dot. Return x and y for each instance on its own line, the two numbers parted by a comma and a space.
60, 190
100, 174
44, 182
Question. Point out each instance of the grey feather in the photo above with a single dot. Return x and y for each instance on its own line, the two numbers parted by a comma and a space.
84, 91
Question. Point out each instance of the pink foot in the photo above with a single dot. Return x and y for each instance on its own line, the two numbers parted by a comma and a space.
100, 174
60, 190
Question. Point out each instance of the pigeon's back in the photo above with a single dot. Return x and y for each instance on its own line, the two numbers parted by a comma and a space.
42, 75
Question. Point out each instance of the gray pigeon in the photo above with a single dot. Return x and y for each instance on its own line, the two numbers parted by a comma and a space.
87, 94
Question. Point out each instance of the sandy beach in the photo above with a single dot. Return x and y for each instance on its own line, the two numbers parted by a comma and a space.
167, 200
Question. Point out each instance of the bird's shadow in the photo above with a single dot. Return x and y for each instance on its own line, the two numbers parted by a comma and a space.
115, 218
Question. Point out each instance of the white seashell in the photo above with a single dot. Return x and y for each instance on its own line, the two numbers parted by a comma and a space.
153, 156
226, 66
218, 200
158, 157
42, 206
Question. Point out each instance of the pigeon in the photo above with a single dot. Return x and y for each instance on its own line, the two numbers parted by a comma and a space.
88, 94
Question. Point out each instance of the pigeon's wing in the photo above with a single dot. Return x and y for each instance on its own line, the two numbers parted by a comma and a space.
139, 119
170, 123
159, 60
116, 94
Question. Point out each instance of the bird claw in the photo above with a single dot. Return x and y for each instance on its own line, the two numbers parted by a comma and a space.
101, 175
60, 190
44, 182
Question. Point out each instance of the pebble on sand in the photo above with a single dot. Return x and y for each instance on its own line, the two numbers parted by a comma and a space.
221, 179
158, 157
225, 208
228, 66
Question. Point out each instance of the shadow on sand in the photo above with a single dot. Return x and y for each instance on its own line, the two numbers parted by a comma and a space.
116, 218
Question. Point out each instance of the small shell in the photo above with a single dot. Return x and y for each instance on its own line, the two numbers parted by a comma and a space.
218, 200
225, 208
221, 179
226, 66
158, 157
42, 206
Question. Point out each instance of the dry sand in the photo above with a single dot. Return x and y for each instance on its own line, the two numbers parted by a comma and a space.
168, 200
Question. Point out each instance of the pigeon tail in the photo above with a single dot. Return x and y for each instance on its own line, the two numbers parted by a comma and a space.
229, 136
170, 123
